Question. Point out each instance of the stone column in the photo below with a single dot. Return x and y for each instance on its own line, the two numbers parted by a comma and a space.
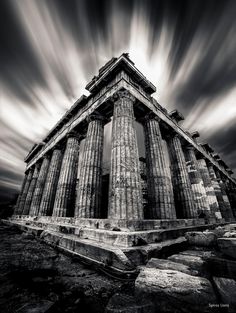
23, 195
65, 194
50, 186
184, 201
223, 205
199, 192
228, 210
231, 193
125, 195
160, 191
30, 192
38, 191
211, 196
16, 208
88, 201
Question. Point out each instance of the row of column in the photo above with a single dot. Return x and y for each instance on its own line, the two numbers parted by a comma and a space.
194, 188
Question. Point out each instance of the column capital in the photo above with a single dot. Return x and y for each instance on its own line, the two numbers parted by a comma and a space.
96, 116
149, 116
74, 134
120, 94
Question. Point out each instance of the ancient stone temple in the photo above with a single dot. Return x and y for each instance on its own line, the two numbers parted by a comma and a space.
118, 175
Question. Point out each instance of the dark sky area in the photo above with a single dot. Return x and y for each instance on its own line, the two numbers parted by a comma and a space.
50, 49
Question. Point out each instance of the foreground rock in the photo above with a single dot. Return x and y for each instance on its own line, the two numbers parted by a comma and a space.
174, 291
195, 262
36, 278
122, 303
163, 264
227, 246
227, 291
201, 239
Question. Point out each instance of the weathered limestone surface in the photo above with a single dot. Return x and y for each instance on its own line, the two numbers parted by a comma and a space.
211, 196
88, 202
65, 194
224, 194
231, 193
125, 186
221, 196
198, 238
50, 186
25, 191
174, 291
184, 201
199, 192
160, 191
38, 191
17, 209
227, 290
227, 246
30, 191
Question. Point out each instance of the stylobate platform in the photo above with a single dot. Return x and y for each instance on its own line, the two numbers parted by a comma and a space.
116, 245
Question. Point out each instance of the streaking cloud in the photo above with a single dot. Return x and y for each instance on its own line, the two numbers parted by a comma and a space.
53, 48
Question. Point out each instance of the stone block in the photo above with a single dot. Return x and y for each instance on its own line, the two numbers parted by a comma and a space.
227, 246
202, 239
174, 291
122, 303
227, 290
196, 263
165, 264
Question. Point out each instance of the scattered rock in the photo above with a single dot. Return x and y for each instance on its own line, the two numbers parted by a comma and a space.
227, 246
174, 291
164, 264
229, 235
227, 291
219, 231
202, 239
122, 303
196, 263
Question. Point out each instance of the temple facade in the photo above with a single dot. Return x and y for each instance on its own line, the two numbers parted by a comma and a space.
179, 181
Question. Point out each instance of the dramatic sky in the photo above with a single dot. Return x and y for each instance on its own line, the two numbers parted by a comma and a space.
50, 49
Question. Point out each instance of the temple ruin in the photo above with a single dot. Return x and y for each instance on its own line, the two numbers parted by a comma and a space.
108, 212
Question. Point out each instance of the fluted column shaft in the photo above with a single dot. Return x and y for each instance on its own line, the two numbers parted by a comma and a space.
231, 193
228, 210
50, 187
30, 192
185, 206
65, 194
38, 191
16, 209
223, 205
211, 196
125, 195
23, 196
160, 191
199, 192
88, 201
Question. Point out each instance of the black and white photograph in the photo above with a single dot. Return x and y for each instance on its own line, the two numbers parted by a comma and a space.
117, 156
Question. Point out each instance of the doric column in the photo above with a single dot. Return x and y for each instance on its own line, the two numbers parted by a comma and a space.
160, 191
50, 186
125, 195
223, 205
199, 192
228, 210
38, 191
23, 195
211, 196
30, 192
16, 208
231, 193
65, 194
88, 201
185, 206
